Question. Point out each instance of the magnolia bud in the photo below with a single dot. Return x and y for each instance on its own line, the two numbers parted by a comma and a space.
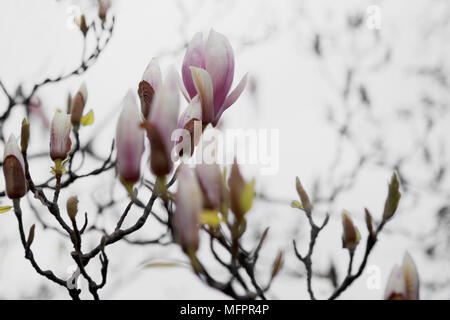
210, 180
151, 81
30, 236
392, 199
24, 135
351, 236
77, 105
306, 204
72, 207
81, 23
188, 203
241, 193
14, 170
60, 142
403, 282
129, 142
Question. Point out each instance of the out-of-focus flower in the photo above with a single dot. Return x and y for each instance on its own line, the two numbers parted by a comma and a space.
151, 81
129, 142
188, 203
241, 192
14, 170
103, 7
351, 235
403, 282
77, 105
210, 180
161, 123
60, 142
35, 109
208, 71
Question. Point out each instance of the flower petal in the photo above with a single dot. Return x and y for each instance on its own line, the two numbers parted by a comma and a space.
411, 278
194, 57
232, 97
204, 87
219, 62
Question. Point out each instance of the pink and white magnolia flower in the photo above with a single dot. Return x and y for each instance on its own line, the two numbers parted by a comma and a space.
14, 169
129, 141
210, 180
403, 282
188, 203
151, 82
208, 71
60, 142
161, 123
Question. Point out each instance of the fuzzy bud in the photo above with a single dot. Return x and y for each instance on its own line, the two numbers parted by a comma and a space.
72, 207
351, 235
14, 170
24, 135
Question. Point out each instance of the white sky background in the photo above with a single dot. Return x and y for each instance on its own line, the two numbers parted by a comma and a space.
295, 90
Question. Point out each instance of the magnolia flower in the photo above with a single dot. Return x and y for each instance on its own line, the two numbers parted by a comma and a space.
207, 71
161, 123
210, 181
188, 203
351, 235
403, 282
151, 81
77, 105
129, 142
14, 169
60, 136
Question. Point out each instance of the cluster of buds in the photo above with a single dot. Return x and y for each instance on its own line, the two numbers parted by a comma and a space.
403, 282
203, 198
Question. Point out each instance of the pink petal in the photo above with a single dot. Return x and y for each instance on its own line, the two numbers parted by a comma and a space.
232, 97
204, 87
219, 62
194, 57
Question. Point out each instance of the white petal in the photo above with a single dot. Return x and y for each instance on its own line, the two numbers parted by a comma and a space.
203, 84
